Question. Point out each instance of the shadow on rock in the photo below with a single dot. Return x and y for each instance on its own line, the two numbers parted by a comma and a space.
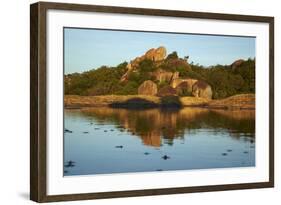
135, 103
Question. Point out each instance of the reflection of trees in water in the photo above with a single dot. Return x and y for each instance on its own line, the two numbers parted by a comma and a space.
153, 125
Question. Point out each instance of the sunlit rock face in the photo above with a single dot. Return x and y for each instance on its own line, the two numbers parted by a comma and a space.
237, 63
202, 89
175, 85
192, 87
162, 76
147, 88
154, 54
165, 76
189, 82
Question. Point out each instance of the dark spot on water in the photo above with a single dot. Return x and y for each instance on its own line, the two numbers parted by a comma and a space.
252, 146
252, 141
97, 128
112, 130
105, 130
122, 130
229, 150
67, 131
159, 170
146, 153
65, 171
245, 152
119, 146
85, 132
165, 157
70, 164
224, 154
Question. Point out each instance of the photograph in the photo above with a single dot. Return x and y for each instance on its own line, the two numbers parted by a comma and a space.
147, 101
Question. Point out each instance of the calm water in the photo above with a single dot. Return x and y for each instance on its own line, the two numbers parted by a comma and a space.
108, 140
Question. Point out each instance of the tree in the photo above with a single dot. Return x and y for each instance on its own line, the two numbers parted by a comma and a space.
104, 80
173, 55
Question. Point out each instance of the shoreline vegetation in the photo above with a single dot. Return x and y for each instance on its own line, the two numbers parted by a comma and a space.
156, 79
158, 74
239, 102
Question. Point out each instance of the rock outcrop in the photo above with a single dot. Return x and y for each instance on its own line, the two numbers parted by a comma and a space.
237, 63
165, 76
148, 87
202, 89
166, 91
189, 82
183, 89
189, 86
157, 54
175, 84
153, 54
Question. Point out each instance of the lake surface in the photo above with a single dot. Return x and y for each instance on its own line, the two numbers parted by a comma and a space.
110, 140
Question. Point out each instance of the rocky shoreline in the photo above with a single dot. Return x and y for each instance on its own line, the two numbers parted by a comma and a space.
240, 102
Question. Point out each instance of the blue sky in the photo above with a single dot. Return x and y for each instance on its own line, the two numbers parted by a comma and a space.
86, 49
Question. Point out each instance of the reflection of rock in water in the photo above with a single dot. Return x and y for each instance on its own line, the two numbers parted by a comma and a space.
152, 138
153, 125
236, 114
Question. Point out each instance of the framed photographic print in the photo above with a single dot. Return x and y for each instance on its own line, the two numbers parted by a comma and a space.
134, 102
